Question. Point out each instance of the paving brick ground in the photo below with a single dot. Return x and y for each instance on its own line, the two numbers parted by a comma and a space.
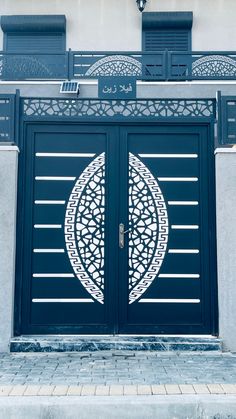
117, 373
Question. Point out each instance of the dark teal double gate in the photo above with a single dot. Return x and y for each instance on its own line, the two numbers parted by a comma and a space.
118, 229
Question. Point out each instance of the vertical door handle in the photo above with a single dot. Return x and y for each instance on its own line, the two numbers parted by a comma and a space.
122, 233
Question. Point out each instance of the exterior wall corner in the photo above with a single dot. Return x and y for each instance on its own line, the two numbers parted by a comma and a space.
8, 192
226, 244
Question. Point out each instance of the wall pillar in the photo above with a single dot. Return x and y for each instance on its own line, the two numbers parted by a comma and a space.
226, 243
8, 192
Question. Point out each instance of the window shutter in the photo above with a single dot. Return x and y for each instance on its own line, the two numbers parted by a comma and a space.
167, 31
34, 33
35, 43
160, 40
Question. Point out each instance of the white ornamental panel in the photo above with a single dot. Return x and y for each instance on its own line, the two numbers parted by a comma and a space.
85, 228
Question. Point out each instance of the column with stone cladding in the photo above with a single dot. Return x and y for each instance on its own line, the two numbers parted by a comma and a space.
226, 243
8, 199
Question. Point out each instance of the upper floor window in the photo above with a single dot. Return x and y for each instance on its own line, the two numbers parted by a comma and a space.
34, 33
167, 31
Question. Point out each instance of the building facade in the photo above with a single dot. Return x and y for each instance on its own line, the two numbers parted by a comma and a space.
118, 169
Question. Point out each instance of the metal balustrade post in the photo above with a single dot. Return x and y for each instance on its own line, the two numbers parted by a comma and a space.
219, 117
70, 64
168, 65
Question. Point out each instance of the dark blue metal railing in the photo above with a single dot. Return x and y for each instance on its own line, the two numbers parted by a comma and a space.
157, 66
214, 65
19, 66
141, 65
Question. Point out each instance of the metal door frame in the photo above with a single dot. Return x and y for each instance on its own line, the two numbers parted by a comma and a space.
178, 121
30, 129
211, 234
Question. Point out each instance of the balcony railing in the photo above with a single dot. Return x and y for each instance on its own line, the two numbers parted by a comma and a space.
156, 66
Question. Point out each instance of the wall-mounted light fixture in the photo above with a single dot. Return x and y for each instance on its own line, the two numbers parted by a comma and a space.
141, 4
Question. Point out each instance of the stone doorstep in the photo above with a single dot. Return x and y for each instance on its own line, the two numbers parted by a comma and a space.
162, 343
118, 390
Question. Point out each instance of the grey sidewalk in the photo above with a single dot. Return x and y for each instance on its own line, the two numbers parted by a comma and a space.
117, 368
107, 385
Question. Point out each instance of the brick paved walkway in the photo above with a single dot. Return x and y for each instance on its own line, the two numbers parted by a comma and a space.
111, 372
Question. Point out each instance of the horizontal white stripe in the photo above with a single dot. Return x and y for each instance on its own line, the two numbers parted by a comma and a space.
185, 227
62, 300
88, 55
64, 154
47, 226
178, 179
182, 202
49, 251
55, 178
45, 275
170, 156
82, 65
179, 276
48, 202
169, 300
183, 251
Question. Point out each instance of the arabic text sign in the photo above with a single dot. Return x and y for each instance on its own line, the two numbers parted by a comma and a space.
117, 87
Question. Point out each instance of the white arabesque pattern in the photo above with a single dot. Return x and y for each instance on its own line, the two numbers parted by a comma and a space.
85, 228
148, 233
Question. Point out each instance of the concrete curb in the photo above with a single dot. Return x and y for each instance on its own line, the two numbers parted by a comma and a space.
164, 407
117, 390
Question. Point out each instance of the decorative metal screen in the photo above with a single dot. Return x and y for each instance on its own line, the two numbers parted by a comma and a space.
227, 119
7, 116
119, 109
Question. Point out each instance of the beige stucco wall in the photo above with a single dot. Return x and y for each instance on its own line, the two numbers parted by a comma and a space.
116, 24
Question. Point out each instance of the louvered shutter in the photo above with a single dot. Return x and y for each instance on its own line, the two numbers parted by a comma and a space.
167, 31
172, 40
35, 43
34, 33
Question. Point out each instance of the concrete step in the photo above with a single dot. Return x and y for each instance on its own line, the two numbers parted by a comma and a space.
64, 343
138, 407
